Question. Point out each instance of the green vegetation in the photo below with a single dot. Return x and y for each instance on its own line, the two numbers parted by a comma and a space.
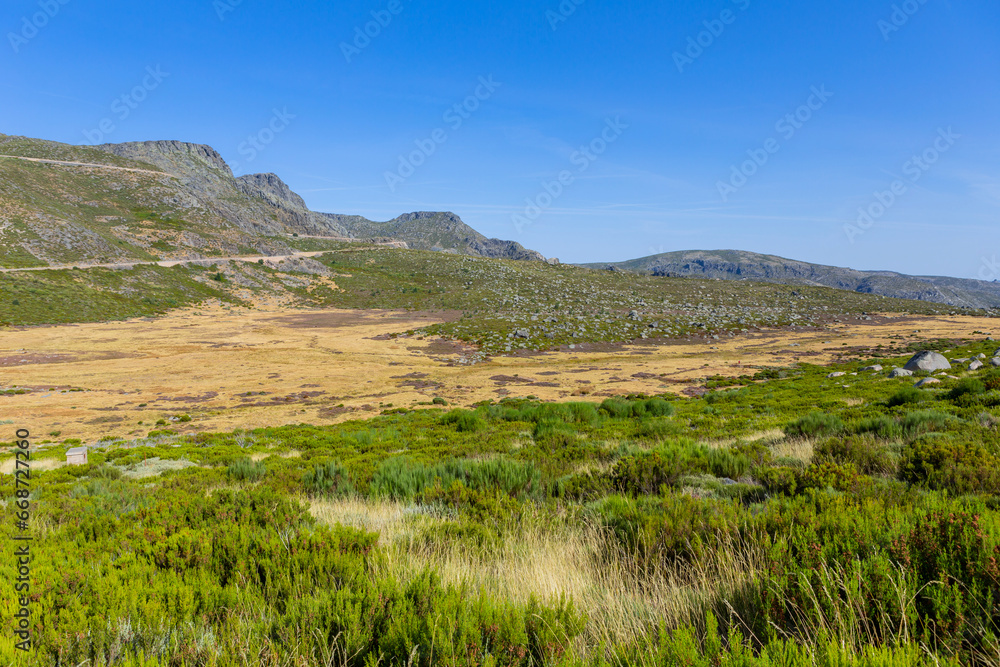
790, 521
55, 297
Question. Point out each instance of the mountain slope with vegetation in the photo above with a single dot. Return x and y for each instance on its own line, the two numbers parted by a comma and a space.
176, 200
742, 265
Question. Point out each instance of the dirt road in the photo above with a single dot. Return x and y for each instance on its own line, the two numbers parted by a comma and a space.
207, 261
87, 164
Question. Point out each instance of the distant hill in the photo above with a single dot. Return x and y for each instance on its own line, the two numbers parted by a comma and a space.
171, 199
742, 265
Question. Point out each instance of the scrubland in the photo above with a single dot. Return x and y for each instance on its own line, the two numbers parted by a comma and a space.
782, 519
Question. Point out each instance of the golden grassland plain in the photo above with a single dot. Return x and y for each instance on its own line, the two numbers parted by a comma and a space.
234, 369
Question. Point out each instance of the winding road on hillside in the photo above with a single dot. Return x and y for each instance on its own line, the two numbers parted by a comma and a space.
202, 261
87, 164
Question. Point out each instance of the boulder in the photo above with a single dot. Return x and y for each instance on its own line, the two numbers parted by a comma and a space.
928, 381
876, 368
900, 373
975, 365
981, 357
995, 361
835, 375
928, 361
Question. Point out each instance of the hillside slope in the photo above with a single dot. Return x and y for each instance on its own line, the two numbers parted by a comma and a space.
742, 265
175, 200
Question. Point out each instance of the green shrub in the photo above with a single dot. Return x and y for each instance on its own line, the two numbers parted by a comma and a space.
659, 428
245, 470
583, 487
404, 479
617, 408
783, 480
553, 434
327, 480
907, 396
670, 528
967, 387
465, 421
645, 472
886, 428
842, 477
437, 400
104, 472
814, 425
658, 407
868, 456
916, 423
942, 463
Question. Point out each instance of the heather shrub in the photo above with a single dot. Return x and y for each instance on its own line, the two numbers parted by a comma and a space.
814, 425
327, 480
866, 454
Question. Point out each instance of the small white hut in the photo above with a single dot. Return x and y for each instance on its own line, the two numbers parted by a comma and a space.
77, 456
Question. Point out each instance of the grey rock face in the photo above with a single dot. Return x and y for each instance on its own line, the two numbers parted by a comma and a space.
876, 369
835, 375
928, 361
928, 381
995, 361
975, 365
900, 373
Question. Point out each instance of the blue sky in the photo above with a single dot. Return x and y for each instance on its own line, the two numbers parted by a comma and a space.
603, 131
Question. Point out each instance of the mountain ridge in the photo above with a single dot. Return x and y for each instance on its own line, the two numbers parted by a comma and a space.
745, 265
181, 200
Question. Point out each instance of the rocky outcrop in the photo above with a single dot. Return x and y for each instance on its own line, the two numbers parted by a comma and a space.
199, 205
271, 189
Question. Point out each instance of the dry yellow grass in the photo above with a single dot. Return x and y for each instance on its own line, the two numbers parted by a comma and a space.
237, 369
794, 448
623, 602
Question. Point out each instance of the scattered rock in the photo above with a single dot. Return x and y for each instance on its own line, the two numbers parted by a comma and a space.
928, 361
835, 375
928, 381
524, 333
876, 369
900, 373
995, 361
975, 365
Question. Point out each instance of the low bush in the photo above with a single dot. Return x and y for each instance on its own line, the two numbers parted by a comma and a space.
866, 454
403, 479
464, 421
245, 470
943, 463
815, 425
907, 396
327, 480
